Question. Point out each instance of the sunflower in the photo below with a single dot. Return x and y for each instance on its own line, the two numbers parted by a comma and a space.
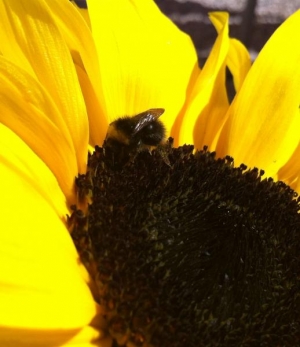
65, 75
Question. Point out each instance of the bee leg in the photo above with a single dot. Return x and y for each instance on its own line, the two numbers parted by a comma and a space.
164, 148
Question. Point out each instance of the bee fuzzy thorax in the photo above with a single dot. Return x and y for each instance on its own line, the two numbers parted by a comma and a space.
127, 136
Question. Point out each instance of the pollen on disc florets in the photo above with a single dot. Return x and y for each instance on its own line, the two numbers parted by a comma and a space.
194, 252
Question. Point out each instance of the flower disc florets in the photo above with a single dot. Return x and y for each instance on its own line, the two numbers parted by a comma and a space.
193, 252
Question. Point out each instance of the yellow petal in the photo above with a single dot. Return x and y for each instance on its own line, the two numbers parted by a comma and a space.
145, 60
263, 121
43, 294
30, 29
27, 109
98, 124
84, 13
208, 102
238, 62
238, 58
290, 172
78, 36
9, 45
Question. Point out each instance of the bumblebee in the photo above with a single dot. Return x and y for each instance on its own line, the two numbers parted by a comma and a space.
127, 136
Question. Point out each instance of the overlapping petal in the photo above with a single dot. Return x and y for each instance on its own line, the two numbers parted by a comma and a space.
202, 101
78, 37
41, 276
28, 110
31, 39
263, 123
201, 120
141, 55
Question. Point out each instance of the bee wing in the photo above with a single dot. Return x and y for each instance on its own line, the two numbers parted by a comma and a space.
147, 117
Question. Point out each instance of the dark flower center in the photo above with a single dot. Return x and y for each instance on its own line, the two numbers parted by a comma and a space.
191, 252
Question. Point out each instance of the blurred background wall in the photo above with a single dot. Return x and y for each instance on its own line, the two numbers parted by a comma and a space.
251, 21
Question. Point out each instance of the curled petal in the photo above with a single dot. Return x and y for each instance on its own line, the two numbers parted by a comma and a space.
97, 123
207, 103
238, 62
